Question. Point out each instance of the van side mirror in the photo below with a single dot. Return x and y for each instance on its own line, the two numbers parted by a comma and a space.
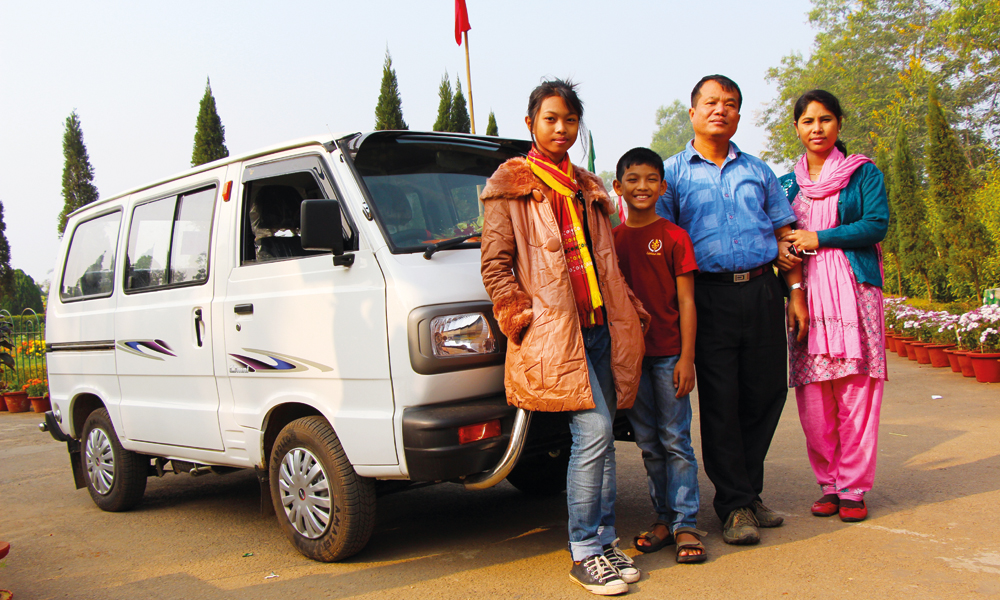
321, 228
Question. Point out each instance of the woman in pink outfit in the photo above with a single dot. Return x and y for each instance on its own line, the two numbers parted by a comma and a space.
839, 371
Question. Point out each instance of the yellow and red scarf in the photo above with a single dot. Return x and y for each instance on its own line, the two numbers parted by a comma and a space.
582, 273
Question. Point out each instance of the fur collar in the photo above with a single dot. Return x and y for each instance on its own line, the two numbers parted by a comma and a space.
514, 179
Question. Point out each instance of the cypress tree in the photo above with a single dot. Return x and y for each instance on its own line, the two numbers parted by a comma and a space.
460, 122
491, 127
389, 110
6, 273
443, 122
890, 244
962, 238
914, 242
209, 134
78, 176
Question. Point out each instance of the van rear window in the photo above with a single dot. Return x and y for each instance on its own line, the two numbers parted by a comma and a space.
90, 261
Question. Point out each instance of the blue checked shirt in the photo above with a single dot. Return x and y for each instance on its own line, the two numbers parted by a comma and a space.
730, 213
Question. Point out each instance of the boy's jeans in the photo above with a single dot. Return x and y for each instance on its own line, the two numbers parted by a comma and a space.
590, 479
662, 426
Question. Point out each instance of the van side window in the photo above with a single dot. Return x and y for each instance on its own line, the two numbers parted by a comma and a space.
271, 217
90, 260
168, 241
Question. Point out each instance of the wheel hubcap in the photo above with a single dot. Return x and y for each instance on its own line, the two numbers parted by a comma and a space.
305, 492
100, 461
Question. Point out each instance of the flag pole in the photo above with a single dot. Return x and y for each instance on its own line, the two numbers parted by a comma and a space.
468, 79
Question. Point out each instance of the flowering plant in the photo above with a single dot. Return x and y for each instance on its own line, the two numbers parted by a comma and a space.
989, 337
36, 388
944, 333
891, 304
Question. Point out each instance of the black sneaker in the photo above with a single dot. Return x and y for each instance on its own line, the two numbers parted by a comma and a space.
597, 576
741, 528
622, 562
765, 516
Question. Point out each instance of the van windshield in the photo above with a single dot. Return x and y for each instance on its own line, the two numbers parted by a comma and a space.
425, 188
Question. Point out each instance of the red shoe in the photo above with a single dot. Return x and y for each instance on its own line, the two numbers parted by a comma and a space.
827, 506
853, 513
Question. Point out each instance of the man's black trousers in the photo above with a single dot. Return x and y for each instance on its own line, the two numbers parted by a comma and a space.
740, 358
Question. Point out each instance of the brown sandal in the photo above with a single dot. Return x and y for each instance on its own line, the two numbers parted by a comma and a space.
655, 542
691, 558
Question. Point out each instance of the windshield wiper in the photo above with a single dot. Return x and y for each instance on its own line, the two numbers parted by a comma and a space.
445, 244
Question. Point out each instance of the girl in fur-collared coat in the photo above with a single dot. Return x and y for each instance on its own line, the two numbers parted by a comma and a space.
576, 342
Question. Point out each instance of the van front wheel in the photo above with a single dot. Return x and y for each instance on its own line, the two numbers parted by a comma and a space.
115, 477
324, 507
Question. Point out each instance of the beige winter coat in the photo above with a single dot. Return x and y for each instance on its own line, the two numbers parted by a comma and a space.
525, 273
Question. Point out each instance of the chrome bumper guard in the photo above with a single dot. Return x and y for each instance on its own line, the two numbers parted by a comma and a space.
518, 433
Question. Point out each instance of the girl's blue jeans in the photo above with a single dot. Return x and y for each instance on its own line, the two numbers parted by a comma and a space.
590, 479
662, 425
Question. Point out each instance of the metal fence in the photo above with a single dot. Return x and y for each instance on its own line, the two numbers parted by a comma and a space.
28, 339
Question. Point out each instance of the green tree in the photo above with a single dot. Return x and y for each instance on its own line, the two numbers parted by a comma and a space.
389, 110
673, 130
973, 30
914, 242
443, 122
460, 122
961, 238
78, 176
26, 294
891, 242
491, 126
209, 134
6, 274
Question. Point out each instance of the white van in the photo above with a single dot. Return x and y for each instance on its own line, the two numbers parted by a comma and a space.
314, 311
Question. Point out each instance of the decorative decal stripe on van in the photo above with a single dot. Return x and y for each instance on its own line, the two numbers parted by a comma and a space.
140, 348
279, 362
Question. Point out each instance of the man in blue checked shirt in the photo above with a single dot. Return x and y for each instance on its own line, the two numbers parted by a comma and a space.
732, 206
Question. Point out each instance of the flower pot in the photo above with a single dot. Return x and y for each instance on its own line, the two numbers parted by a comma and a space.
890, 342
16, 401
919, 353
965, 363
40, 404
937, 355
952, 355
3, 403
901, 343
986, 366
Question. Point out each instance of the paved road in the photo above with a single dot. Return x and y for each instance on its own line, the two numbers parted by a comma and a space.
933, 532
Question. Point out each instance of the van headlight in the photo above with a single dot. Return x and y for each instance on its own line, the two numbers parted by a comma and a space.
461, 335
454, 337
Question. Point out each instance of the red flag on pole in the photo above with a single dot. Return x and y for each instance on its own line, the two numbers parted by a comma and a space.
461, 20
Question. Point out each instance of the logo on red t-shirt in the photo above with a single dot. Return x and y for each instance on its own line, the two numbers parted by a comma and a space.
655, 246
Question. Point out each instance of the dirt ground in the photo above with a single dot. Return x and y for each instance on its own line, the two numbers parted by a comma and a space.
933, 531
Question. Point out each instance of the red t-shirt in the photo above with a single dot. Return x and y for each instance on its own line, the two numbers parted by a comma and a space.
651, 258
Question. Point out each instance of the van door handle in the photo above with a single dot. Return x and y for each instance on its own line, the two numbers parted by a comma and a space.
197, 325
243, 309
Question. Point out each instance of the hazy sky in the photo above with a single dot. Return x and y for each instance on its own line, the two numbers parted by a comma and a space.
135, 72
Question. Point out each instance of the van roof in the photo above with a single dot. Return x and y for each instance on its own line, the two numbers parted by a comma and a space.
323, 139
296, 143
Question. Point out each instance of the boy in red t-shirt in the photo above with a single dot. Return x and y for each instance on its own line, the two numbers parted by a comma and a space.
657, 259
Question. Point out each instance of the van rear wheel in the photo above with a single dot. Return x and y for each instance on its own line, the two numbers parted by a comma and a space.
115, 477
326, 510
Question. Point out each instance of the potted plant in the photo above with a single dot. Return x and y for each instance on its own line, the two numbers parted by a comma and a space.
38, 390
986, 362
15, 396
942, 338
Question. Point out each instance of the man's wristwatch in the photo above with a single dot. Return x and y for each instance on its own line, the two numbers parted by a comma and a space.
796, 286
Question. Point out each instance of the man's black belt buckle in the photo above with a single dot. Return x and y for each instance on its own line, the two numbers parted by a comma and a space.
741, 277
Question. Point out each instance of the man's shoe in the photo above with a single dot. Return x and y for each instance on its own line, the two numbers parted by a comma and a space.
597, 576
765, 516
622, 562
741, 528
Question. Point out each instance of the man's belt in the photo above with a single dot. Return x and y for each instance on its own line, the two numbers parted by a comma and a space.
735, 277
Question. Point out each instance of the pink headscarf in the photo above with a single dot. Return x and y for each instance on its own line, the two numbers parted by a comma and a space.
833, 308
